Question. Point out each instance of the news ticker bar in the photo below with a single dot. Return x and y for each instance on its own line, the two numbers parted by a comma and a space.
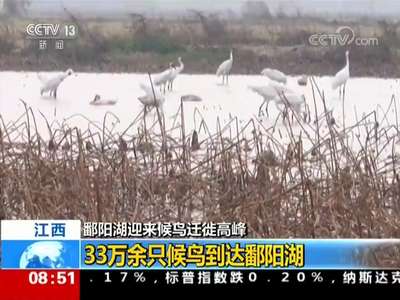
74, 285
132, 280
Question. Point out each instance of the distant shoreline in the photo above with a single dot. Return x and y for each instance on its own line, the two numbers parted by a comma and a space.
386, 70
190, 74
146, 45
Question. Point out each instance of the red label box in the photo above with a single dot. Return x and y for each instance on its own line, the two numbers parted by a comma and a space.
39, 284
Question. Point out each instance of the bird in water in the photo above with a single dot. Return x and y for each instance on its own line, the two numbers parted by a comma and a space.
99, 101
341, 77
152, 97
269, 92
51, 84
296, 102
225, 69
275, 75
162, 79
175, 72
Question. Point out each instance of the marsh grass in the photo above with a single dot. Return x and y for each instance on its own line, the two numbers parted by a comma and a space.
315, 184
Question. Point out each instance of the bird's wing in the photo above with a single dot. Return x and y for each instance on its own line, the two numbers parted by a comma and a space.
163, 77
55, 81
266, 72
279, 88
150, 94
174, 74
255, 89
339, 79
147, 89
222, 68
274, 75
264, 91
49, 83
157, 78
335, 84
292, 98
295, 99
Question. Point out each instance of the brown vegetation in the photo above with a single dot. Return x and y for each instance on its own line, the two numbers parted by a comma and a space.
240, 173
139, 44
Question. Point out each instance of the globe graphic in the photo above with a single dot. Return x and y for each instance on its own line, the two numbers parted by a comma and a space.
48, 255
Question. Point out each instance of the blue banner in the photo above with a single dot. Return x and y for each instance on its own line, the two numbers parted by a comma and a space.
230, 254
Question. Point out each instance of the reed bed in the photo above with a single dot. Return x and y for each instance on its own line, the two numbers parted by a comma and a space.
323, 180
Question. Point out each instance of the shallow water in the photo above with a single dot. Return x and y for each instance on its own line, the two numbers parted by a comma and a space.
222, 102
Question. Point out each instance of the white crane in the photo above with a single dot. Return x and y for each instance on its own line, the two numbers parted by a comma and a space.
225, 69
162, 79
275, 75
175, 73
341, 77
296, 102
152, 97
270, 92
51, 84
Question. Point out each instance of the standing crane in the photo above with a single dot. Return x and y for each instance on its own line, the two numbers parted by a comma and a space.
225, 69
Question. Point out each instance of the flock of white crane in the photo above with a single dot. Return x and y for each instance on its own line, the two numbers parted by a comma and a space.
275, 91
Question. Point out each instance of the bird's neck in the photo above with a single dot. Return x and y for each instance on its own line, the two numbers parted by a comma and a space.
347, 61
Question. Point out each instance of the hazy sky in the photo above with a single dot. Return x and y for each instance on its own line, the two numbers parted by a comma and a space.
335, 7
